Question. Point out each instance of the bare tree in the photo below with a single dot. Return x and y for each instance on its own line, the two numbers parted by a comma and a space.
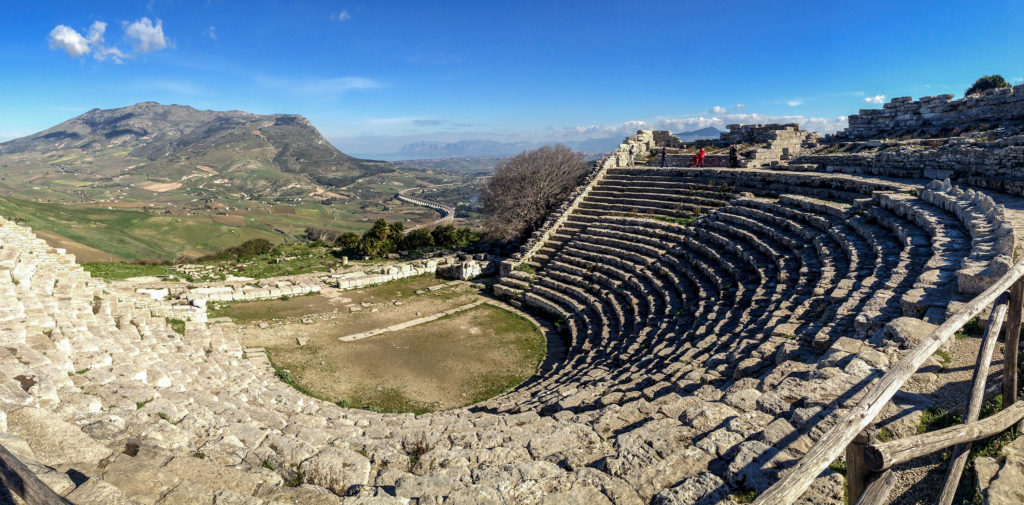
527, 187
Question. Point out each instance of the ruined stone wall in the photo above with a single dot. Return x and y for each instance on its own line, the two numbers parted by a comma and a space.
937, 113
754, 133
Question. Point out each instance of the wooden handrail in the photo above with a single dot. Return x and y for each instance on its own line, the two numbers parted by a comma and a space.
988, 347
20, 480
831, 445
1013, 321
882, 456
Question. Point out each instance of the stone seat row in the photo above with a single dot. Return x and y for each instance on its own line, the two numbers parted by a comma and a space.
829, 209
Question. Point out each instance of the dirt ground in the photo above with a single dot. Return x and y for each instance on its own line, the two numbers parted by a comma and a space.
160, 187
229, 220
451, 362
81, 251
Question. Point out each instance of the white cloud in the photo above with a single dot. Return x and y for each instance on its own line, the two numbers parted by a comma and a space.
102, 52
343, 16
72, 42
75, 45
818, 124
874, 99
794, 103
211, 32
718, 109
146, 36
740, 106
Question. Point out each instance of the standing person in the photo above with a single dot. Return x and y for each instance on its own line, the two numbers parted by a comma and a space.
664, 151
700, 158
734, 159
632, 154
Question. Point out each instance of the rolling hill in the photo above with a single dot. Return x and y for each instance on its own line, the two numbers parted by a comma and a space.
158, 181
166, 148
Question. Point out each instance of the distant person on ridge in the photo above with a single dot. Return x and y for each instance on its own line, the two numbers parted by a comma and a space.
700, 158
734, 159
664, 151
632, 154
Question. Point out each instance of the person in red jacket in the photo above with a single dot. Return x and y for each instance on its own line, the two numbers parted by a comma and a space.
700, 158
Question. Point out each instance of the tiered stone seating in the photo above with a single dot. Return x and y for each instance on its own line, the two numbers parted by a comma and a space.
772, 281
701, 358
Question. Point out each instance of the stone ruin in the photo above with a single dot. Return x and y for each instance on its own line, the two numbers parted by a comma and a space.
701, 359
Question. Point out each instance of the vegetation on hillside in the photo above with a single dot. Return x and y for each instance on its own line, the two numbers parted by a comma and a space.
527, 187
986, 83
384, 238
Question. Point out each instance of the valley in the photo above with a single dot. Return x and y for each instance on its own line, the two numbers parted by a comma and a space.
157, 182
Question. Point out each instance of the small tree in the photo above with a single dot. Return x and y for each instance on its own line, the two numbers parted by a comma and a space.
986, 83
527, 187
347, 240
417, 239
379, 231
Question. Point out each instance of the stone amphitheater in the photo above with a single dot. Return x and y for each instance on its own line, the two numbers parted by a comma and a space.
702, 358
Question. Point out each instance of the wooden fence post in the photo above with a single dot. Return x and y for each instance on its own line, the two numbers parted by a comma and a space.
857, 473
1012, 344
988, 347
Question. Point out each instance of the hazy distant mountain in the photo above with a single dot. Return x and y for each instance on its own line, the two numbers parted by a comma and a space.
492, 148
702, 134
263, 153
463, 149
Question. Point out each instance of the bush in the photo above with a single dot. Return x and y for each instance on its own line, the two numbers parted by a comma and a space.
347, 240
986, 83
452, 237
417, 239
527, 187
248, 249
316, 234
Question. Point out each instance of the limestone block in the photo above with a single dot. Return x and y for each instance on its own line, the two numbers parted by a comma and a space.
54, 441
1005, 487
337, 469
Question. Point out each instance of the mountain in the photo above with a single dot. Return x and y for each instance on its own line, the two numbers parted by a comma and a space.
463, 149
702, 134
178, 145
492, 148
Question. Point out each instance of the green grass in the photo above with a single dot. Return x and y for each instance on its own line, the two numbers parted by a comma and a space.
884, 435
120, 271
936, 419
387, 400
971, 329
526, 267
178, 325
744, 496
287, 378
945, 357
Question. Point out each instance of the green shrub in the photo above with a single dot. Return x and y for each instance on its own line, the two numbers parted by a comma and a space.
987, 82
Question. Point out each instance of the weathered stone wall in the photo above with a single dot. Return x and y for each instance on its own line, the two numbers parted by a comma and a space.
938, 113
992, 164
755, 133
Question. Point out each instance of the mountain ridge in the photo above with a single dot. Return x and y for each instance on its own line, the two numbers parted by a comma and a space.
266, 153
492, 148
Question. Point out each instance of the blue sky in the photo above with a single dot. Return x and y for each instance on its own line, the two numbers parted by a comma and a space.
373, 75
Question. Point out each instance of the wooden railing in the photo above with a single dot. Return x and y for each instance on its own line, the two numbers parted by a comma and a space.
868, 463
22, 482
